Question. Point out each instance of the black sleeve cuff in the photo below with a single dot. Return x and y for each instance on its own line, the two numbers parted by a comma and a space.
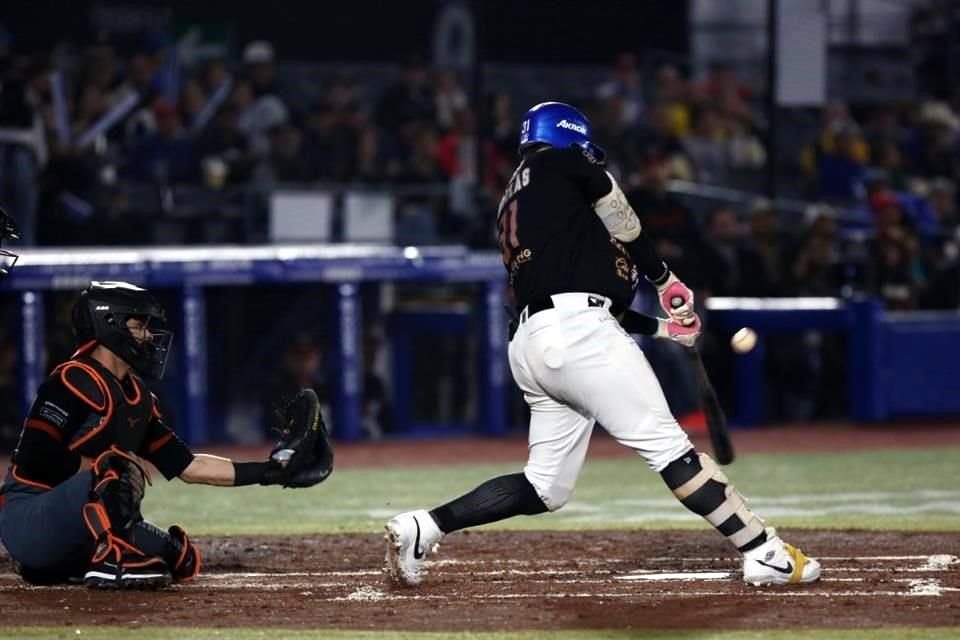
659, 280
247, 473
639, 323
171, 458
645, 256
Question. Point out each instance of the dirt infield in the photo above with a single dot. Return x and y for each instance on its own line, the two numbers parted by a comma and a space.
489, 581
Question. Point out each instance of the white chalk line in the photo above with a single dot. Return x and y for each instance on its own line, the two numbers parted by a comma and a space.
258, 580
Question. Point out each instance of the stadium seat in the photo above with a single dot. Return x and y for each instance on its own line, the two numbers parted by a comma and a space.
299, 216
368, 217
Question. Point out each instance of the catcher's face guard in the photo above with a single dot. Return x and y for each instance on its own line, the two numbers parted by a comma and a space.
127, 320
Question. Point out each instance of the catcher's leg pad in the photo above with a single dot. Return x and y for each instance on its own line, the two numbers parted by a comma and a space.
187, 565
119, 483
115, 496
702, 487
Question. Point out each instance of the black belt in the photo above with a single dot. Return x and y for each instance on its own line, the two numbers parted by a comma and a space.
542, 304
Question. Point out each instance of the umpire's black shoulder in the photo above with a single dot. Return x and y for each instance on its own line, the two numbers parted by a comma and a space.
84, 382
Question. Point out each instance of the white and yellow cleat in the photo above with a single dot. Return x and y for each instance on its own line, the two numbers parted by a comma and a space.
775, 562
410, 537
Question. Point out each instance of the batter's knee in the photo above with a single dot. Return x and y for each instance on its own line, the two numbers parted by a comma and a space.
553, 495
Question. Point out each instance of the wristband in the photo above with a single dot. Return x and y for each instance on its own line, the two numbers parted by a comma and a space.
659, 280
247, 473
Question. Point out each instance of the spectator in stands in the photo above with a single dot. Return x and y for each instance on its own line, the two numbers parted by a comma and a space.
300, 368
620, 140
501, 125
898, 272
840, 168
99, 68
671, 224
706, 146
223, 139
260, 108
943, 254
23, 143
422, 165
939, 127
91, 104
815, 268
372, 165
457, 157
887, 160
258, 59
671, 95
164, 156
192, 100
720, 259
721, 80
449, 98
409, 101
626, 85
303, 367
656, 134
286, 162
882, 129
342, 95
943, 203
762, 258
328, 144
835, 161
214, 76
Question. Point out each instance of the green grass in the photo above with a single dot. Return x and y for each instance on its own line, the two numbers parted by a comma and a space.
902, 489
122, 633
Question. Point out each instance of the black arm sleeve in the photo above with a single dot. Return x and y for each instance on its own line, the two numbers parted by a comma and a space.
168, 453
644, 255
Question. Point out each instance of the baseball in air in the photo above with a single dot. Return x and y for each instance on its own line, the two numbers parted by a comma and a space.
744, 340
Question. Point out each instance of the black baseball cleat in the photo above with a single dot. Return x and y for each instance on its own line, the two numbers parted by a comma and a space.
116, 568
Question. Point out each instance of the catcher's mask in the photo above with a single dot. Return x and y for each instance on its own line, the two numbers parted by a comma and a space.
101, 315
8, 231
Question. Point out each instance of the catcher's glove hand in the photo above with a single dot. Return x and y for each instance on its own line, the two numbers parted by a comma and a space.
304, 444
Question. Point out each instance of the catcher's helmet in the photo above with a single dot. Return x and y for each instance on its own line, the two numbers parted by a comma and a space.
101, 313
558, 125
8, 231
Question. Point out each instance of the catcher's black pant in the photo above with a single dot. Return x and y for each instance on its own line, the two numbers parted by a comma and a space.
44, 533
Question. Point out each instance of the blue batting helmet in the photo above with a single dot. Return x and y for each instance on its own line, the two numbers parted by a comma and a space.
558, 125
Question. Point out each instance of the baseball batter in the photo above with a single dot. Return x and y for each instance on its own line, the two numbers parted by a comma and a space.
70, 504
574, 251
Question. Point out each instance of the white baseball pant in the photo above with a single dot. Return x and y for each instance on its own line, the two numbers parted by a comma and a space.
576, 366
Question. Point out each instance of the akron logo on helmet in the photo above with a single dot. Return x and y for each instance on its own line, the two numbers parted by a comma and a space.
573, 126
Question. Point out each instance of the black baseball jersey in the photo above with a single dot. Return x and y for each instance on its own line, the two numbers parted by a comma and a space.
551, 239
82, 410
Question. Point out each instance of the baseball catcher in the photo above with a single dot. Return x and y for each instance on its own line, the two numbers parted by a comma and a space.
70, 503
574, 251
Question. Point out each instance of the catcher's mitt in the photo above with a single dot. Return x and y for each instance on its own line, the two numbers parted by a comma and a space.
304, 444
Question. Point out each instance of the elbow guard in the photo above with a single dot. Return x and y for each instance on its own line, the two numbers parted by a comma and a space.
617, 215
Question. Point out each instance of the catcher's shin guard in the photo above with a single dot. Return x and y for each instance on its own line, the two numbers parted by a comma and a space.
187, 565
114, 507
698, 483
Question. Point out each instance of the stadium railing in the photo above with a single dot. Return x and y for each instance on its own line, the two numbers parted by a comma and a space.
899, 364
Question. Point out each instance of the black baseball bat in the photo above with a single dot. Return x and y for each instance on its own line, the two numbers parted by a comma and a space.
716, 418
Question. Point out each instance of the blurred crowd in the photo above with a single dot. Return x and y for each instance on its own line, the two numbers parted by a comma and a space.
79, 131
